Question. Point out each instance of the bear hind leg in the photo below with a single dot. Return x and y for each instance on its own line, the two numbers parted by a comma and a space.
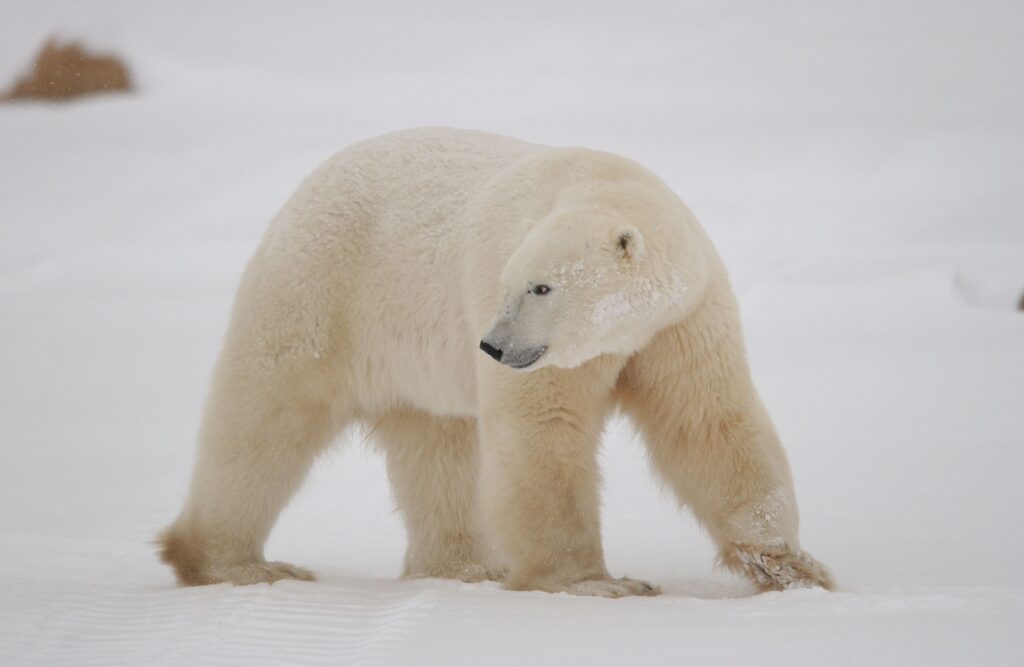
258, 441
432, 463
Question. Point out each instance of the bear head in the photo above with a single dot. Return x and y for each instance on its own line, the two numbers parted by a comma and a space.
590, 278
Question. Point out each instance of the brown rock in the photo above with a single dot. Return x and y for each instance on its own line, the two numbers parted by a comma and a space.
62, 72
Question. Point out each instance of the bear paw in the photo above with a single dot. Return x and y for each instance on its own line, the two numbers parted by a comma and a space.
612, 588
477, 573
259, 572
471, 573
773, 569
189, 556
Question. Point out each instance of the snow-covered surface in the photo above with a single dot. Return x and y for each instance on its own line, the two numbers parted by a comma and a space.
860, 166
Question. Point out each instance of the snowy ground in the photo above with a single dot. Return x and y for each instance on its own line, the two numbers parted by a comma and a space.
859, 165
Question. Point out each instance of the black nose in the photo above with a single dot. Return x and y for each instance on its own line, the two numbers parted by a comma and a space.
491, 350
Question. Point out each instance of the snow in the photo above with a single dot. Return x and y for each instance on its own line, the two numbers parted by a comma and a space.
858, 164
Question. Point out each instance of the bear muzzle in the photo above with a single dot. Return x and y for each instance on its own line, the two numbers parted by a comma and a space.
512, 357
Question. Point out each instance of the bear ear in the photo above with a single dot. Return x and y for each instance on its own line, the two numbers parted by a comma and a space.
629, 243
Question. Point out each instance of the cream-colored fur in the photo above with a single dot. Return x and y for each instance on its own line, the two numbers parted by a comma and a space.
368, 300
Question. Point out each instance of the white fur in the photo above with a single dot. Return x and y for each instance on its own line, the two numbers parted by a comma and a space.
368, 299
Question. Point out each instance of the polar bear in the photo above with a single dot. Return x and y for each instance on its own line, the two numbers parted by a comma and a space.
484, 304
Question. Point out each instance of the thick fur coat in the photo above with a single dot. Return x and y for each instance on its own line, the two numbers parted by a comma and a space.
485, 304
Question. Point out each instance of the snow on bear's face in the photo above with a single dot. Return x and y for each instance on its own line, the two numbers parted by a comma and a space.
573, 291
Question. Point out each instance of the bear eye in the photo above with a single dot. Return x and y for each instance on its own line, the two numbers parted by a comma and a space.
540, 290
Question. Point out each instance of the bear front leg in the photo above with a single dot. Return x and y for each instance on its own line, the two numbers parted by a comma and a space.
711, 440
540, 478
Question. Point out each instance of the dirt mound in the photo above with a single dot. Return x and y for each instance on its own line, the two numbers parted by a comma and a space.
62, 72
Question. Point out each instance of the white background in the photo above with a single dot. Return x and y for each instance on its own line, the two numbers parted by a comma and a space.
860, 166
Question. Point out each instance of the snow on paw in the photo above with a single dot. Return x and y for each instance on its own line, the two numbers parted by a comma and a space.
612, 588
476, 573
469, 573
775, 569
